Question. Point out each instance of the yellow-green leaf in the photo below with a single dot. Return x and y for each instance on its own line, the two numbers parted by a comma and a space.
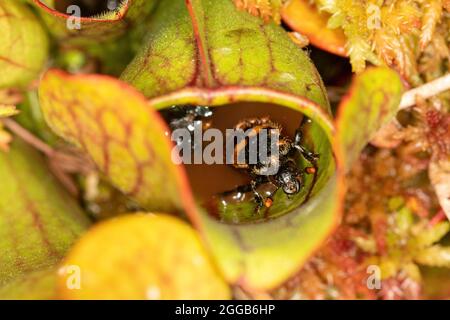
371, 102
124, 136
141, 256
39, 221
211, 44
7, 111
36, 285
23, 44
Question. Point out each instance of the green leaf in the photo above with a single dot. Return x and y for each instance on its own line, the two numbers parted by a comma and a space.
371, 102
36, 285
39, 221
261, 256
211, 44
24, 45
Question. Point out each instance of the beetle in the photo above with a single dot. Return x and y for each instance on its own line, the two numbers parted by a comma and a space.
180, 117
188, 117
289, 177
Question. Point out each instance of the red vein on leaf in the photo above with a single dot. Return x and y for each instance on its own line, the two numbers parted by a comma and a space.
11, 62
202, 50
34, 212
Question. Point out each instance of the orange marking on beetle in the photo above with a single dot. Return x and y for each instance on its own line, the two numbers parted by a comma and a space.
310, 170
268, 202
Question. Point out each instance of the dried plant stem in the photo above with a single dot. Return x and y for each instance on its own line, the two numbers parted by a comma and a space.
28, 137
60, 163
426, 91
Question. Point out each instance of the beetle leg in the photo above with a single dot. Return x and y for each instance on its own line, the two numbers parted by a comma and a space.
258, 197
308, 155
274, 183
271, 196
240, 192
